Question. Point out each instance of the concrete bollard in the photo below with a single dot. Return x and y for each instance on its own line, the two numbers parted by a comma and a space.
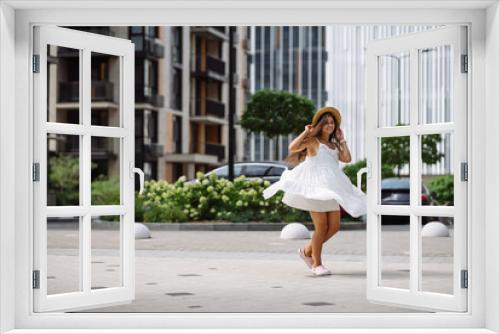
295, 231
142, 231
435, 229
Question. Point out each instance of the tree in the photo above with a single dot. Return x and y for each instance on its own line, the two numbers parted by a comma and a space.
396, 150
277, 113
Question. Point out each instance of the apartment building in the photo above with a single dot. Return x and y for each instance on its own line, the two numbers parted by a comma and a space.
195, 125
181, 98
63, 100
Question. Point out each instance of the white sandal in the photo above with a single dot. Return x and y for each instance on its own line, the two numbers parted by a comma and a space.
320, 271
307, 259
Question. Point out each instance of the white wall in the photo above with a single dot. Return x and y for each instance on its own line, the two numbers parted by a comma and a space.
7, 175
492, 166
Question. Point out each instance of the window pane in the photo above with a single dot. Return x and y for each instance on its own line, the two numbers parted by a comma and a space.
437, 254
437, 169
63, 255
395, 170
436, 84
106, 252
105, 89
275, 171
394, 89
105, 171
255, 170
395, 251
63, 169
63, 85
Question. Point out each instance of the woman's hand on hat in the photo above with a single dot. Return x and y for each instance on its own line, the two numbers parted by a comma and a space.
339, 134
308, 128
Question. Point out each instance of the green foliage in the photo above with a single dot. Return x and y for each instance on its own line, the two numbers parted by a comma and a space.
64, 182
63, 179
139, 207
213, 198
396, 150
351, 170
443, 186
105, 191
277, 113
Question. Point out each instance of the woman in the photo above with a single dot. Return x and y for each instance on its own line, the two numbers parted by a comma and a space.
318, 184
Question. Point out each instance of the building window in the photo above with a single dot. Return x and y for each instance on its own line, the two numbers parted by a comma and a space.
177, 134
177, 45
176, 101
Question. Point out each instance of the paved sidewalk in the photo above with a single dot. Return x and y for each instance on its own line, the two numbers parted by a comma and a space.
222, 271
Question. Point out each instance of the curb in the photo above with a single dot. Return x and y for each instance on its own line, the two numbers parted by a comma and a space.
205, 226
251, 226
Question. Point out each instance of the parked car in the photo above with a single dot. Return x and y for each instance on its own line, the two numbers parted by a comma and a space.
266, 170
396, 191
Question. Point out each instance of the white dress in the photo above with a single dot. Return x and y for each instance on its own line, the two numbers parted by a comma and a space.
319, 184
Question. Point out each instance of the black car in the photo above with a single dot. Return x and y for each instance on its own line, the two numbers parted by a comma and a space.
270, 171
396, 191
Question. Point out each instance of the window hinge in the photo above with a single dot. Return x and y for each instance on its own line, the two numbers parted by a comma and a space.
464, 171
465, 66
36, 279
36, 171
36, 63
465, 279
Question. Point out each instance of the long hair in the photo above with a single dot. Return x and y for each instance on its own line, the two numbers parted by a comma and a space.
299, 156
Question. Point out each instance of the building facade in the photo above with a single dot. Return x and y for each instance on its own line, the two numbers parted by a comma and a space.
346, 68
195, 124
286, 58
181, 98
327, 65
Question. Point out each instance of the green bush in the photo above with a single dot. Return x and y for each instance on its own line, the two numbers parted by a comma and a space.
213, 198
443, 186
105, 191
64, 179
139, 207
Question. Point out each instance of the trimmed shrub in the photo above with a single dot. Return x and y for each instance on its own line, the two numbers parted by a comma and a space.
213, 198
443, 186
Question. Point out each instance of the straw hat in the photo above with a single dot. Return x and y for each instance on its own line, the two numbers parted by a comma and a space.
332, 110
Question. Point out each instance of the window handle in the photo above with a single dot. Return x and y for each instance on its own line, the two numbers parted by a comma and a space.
133, 171
361, 172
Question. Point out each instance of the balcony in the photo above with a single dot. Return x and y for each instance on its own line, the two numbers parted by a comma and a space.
152, 99
150, 152
215, 149
148, 47
100, 91
210, 68
212, 108
211, 32
69, 52
102, 147
215, 64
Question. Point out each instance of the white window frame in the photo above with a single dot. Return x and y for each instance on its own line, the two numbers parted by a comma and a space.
16, 19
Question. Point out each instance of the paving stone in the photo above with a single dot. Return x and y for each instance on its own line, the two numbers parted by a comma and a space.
239, 268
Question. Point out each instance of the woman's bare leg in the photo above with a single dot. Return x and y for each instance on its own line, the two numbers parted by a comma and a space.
333, 224
320, 220
333, 218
